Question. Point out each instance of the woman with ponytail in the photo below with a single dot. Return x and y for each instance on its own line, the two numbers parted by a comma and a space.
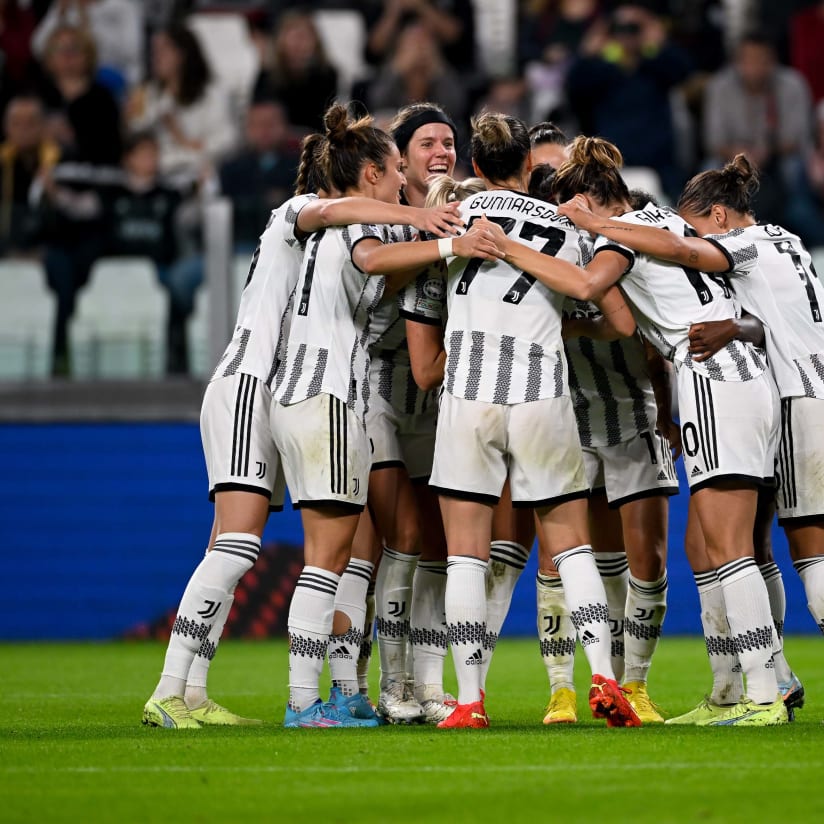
506, 412
728, 404
320, 402
245, 478
775, 281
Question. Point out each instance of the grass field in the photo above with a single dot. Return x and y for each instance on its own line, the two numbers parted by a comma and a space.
72, 749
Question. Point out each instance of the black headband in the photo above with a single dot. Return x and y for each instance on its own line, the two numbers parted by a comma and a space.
403, 134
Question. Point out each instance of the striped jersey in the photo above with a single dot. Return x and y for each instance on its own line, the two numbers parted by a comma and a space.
327, 346
775, 280
424, 299
503, 331
391, 370
265, 303
609, 384
668, 298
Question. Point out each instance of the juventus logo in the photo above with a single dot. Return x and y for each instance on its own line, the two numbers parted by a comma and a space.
211, 609
616, 627
552, 623
643, 614
397, 608
356, 485
261, 469
515, 296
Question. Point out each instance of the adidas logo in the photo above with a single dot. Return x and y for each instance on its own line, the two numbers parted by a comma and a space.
341, 652
662, 475
588, 638
477, 657
695, 472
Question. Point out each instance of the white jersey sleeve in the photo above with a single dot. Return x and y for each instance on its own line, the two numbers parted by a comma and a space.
667, 299
775, 280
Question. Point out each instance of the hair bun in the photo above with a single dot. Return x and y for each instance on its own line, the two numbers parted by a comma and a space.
336, 123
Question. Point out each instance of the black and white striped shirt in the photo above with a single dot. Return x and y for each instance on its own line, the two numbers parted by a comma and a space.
327, 347
503, 331
265, 305
775, 280
609, 383
667, 299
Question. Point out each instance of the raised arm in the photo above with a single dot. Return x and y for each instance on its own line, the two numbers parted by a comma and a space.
695, 252
342, 211
375, 258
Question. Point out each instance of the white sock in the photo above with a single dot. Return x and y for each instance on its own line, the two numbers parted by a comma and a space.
751, 627
774, 582
727, 681
587, 603
310, 624
614, 571
393, 598
811, 571
365, 655
556, 632
209, 588
465, 606
646, 608
344, 648
506, 563
196, 680
427, 630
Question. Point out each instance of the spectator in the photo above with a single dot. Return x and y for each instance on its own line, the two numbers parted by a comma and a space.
189, 113
262, 174
622, 93
299, 76
83, 115
26, 155
450, 22
116, 27
763, 109
551, 33
143, 218
19, 69
806, 52
418, 73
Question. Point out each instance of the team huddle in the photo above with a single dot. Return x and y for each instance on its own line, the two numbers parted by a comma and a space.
441, 381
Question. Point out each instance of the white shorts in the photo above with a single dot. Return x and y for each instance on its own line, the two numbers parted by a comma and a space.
799, 461
324, 450
237, 440
398, 439
729, 429
478, 444
638, 468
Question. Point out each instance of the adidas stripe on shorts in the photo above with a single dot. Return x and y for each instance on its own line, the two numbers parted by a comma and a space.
325, 452
477, 444
729, 429
799, 460
237, 439
398, 439
637, 468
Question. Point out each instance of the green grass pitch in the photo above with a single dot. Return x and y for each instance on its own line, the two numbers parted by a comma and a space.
72, 749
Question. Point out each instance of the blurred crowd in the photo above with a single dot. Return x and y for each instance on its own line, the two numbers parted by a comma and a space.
121, 118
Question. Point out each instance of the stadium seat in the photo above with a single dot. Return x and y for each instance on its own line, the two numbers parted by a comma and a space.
343, 34
119, 326
496, 35
27, 313
231, 53
646, 178
197, 336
